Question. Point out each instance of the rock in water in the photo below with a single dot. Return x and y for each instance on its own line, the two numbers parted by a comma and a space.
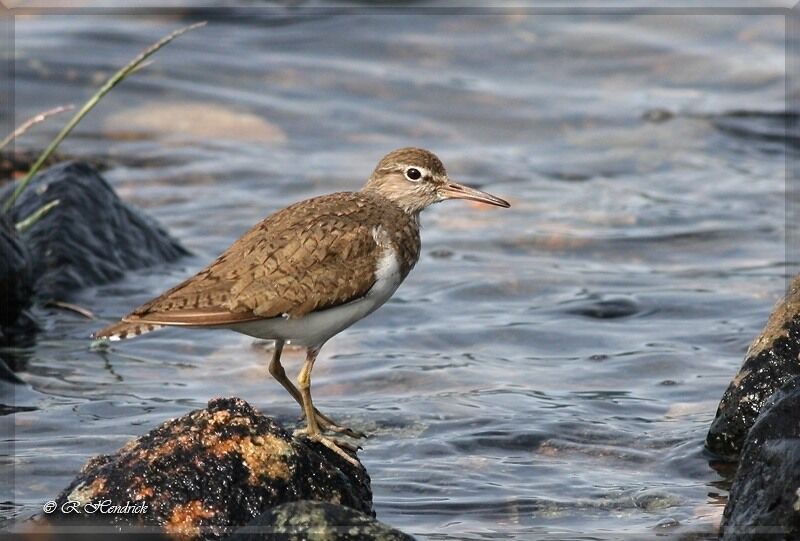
771, 362
204, 474
298, 521
16, 284
91, 237
764, 501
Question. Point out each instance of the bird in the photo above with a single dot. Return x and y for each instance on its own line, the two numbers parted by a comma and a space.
310, 270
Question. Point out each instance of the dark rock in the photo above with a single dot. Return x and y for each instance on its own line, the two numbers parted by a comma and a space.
658, 115
779, 418
212, 470
91, 237
770, 363
298, 521
16, 282
7, 376
764, 501
598, 307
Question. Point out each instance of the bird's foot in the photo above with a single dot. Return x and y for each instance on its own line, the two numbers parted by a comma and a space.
337, 447
328, 425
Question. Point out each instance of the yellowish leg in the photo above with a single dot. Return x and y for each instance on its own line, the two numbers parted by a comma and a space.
312, 428
304, 384
323, 421
276, 371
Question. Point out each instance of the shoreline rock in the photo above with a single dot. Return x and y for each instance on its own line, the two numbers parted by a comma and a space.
298, 521
211, 471
16, 286
91, 237
770, 362
758, 425
764, 501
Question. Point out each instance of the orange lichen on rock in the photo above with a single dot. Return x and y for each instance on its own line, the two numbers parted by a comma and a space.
783, 313
168, 448
144, 492
220, 417
184, 522
88, 493
212, 470
264, 456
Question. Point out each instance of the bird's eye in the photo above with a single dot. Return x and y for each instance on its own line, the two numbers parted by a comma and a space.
412, 173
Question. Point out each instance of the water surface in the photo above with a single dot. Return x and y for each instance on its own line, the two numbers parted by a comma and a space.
547, 371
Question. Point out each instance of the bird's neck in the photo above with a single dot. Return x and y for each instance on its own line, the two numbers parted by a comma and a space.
411, 209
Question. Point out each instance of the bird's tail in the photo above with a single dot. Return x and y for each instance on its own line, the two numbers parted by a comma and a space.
126, 329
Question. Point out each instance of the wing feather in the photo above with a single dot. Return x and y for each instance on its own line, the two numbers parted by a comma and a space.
313, 255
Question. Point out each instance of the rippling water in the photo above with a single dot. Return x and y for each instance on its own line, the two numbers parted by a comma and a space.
546, 371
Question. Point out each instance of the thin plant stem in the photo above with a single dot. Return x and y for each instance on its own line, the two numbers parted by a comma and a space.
40, 117
35, 216
89, 105
78, 309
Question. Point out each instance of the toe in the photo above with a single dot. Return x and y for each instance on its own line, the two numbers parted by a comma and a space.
337, 447
329, 426
347, 445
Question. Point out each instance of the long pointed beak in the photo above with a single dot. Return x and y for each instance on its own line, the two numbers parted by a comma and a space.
452, 190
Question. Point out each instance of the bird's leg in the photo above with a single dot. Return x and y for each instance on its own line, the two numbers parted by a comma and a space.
276, 371
323, 421
304, 383
312, 431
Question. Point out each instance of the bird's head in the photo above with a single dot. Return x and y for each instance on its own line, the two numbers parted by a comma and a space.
415, 178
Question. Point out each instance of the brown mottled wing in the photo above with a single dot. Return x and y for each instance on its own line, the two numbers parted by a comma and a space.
313, 255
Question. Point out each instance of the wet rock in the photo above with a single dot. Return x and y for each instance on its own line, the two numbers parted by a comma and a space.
91, 237
658, 115
770, 363
598, 307
213, 470
298, 521
203, 120
764, 501
16, 282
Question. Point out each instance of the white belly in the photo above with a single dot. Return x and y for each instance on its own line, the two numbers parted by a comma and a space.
316, 328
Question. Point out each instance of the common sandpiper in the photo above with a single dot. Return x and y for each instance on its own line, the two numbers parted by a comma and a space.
310, 270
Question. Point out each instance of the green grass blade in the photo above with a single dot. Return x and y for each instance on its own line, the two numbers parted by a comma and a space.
35, 216
115, 79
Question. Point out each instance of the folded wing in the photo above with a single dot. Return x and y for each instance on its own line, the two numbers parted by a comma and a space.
313, 255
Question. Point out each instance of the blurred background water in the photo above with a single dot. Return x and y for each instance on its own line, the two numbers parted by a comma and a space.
547, 371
